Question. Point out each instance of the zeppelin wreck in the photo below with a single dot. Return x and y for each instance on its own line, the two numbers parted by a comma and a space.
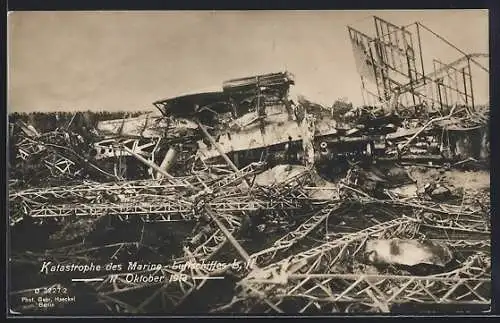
279, 204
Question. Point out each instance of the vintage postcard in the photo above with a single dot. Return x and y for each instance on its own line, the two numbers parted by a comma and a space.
248, 162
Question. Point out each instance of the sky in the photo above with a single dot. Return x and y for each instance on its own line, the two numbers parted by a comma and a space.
68, 61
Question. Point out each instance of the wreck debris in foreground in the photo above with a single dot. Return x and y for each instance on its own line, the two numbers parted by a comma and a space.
313, 209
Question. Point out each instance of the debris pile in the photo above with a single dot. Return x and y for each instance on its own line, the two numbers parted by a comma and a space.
277, 203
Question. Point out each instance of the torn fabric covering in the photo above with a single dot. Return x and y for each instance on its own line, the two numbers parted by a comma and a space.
407, 252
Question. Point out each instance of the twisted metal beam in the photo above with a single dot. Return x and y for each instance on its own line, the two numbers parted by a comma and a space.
314, 259
284, 243
466, 285
91, 191
171, 293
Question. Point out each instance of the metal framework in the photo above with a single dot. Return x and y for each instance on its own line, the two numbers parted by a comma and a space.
237, 177
150, 199
273, 280
380, 292
146, 212
393, 61
172, 294
151, 212
92, 191
111, 148
55, 151
284, 243
305, 279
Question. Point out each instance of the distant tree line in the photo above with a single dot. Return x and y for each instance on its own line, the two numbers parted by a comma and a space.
49, 121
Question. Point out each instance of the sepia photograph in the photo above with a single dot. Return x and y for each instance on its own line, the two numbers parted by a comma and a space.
248, 162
